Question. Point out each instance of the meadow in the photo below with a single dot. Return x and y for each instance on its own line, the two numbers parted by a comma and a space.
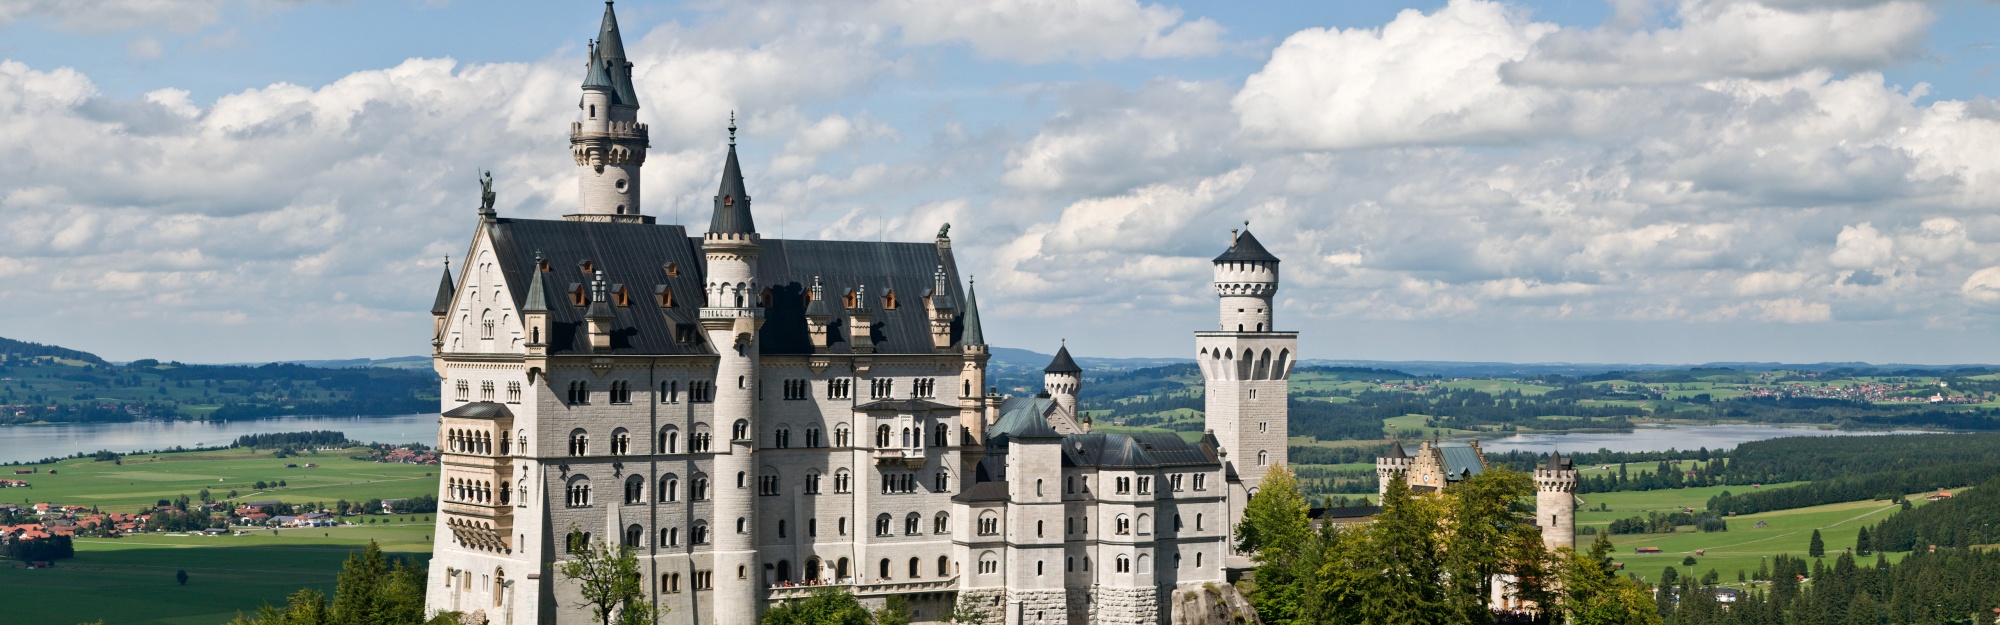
142, 480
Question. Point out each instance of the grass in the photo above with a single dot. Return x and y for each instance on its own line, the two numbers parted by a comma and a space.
1742, 547
131, 580
141, 481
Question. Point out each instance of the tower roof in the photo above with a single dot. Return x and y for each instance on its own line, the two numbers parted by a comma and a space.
1246, 249
973, 335
610, 57
1396, 451
538, 299
445, 291
1556, 462
1063, 363
732, 203
1028, 420
599, 74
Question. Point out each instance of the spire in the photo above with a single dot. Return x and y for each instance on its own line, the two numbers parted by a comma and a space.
599, 74
445, 291
610, 54
1063, 363
538, 300
732, 202
1245, 248
973, 335
1396, 451
1556, 462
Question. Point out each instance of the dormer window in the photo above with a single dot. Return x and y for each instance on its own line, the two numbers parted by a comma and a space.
664, 295
851, 300
542, 265
673, 270
619, 296
764, 298
889, 301
578, 295
729, 200
586, 266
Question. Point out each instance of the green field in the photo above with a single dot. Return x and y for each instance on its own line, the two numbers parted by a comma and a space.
141, 481
1739, 548
131, 580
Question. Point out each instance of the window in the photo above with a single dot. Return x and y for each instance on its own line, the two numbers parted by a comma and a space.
989, 523
812, 527
882, 436
782, 437
798, 389
464, 390
621, 442
1263, 458
843, 482
941, 435
578, 541
1145, 524
699, 441
843, 527
1124, 564
699, 490
1197, 559
670, 392
486, 390
881, 389
767, 484
513, 392
704, 580
812, 437
882, 525
740, 431
578, 492
988, 563
742, 527
621, 392
701, 391
670, 488
912, 524
1177, 482
925, 387
944, 566
1038, 567
884, 569
1200, 481
914, 571
579, 393
635, 490
839, 389
698, 535
943, 482
670, 440
812, 482
634, 534
1263, 426
1145, 485
842, 437
941, 524
781, 528
1124, 486
1069, 485
670, 583
1124, 525
1197, 521
1038, 529
579, 442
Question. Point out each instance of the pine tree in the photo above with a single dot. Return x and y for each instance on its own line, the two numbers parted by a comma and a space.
1817, 548
1275, 531
1861, 543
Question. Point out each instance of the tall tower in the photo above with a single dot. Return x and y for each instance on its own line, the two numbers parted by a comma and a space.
607, 139
730, 319
1396, 462
1555, 502
1063, 380
1246, 363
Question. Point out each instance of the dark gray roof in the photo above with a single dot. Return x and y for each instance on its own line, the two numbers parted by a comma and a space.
1134, 451
1396, 451
1246, 249
905, 405
970, 319
732, 202
599, 74
481, 410
817, 307
600, 299
1557, 462
445, 291
538, 294
1025, 419
635, 256
983, 491
1063, 363
1460, 461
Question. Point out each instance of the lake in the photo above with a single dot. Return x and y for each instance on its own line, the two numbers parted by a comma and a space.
35, 442
1660, 437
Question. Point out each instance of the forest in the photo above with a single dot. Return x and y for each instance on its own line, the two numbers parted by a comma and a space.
1964, 520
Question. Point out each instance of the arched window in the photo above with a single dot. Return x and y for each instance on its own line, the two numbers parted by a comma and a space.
578, 492
635, 490
842, 436
812, 481
944, 566
884, 569
914, 571
882, 524
989, 523
1263, 458
781, 438
670, 537
1124, 564
633, 535
1197, 559
941, 524
670, 440
1145, 524
579, 442
882, 436
699, 489
912, 524
740, 431
1197, 521
699, 533
843, 481
742, 525
988, 563
621, 442
1123, 525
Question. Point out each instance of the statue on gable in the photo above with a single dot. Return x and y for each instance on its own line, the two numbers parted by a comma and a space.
486, 194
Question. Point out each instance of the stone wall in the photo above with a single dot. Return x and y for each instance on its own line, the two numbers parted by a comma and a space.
1210, 604
1127, 606
1040, 607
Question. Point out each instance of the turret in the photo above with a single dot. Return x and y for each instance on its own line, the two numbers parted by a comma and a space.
535, 312
1063, 380
730, 319
1246, 276
1389, 465
1555, 502
607, 140
441, 308
973, 408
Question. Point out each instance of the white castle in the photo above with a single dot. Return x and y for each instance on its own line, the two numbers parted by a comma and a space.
758, 417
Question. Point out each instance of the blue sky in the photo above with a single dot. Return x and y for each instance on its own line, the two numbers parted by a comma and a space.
1622, 180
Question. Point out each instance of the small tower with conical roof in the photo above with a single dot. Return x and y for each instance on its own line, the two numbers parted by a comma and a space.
606, 139
731, 319
1246, 364
1391, 464
1555, 502
1063, 380
441, 309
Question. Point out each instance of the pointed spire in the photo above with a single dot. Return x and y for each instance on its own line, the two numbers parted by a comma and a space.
1555, 461
1396, 451
598, 76
973, 335
609, 44
1063, 363
610, 56
445, 291
732, 202
538, 299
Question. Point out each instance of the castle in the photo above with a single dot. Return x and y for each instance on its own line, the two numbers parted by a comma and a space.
757, 417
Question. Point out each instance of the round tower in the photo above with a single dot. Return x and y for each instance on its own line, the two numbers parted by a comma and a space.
1555, 502
730, 319
1247, 278
1388, 466
606, 139
1063, 379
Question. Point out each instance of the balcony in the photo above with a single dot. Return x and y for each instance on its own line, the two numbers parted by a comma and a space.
906, 457
615, 131
732, 313
875, 589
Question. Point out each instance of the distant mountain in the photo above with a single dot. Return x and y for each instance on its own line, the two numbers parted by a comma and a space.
399, 362
34, 350
1011, 357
